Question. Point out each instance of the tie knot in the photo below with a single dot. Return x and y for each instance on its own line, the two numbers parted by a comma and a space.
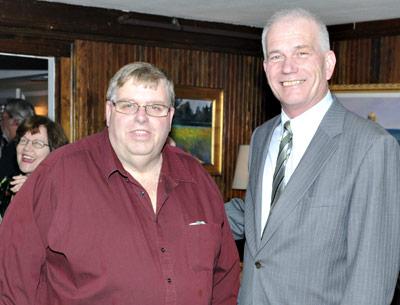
286, 127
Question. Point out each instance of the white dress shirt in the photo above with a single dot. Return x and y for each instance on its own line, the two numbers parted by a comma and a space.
303, 127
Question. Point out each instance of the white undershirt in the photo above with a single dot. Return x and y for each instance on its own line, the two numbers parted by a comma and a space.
303, 127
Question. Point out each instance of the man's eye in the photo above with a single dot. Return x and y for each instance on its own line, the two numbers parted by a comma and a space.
275, 58
126, 105
156, 107
303, 53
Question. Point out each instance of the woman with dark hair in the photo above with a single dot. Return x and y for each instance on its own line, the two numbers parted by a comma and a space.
37, 136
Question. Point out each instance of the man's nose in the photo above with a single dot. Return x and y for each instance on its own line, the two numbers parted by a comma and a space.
141, 114
289, 65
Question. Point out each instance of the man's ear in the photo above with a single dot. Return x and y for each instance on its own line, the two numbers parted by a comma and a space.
265, 66
108, 112
171, 115
330, 62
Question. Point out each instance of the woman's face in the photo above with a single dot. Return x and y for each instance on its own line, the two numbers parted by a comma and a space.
32, 149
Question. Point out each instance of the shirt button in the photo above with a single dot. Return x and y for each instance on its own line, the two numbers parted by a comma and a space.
142, 193
258, 265
169, 280
163, 250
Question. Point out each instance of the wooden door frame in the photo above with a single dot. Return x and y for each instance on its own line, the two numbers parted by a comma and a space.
61, 52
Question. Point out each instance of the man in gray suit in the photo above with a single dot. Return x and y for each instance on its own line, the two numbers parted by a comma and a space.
321, 216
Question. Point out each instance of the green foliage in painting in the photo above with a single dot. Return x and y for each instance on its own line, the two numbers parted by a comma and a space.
196, 140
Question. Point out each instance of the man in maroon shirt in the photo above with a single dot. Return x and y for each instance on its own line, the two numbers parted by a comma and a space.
120, 217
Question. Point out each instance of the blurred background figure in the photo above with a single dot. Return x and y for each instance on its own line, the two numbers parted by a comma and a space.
13, 113
3, 141
36, 137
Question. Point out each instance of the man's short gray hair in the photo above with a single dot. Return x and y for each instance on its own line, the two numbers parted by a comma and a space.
140, 72
297, 13
19, 109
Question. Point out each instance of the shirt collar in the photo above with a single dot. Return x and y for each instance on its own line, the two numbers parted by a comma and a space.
311, 117
173, 166
111, 163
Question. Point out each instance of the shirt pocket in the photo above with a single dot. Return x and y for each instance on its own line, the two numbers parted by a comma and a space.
203, 245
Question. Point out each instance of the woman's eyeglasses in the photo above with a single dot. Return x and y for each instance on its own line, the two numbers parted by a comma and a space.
38, 144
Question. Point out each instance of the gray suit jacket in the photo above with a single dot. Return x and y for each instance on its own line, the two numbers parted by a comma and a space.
333, 236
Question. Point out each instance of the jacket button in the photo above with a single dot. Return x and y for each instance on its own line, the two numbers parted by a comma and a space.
258, 264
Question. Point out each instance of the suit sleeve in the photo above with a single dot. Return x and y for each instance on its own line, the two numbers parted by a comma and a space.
235, 212
373, 233
234, 208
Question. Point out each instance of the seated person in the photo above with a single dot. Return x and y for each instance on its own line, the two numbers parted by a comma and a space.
37, 136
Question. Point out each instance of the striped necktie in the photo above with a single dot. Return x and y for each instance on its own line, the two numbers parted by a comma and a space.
285, 148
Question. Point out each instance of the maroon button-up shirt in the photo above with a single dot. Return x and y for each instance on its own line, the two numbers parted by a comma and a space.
82, 231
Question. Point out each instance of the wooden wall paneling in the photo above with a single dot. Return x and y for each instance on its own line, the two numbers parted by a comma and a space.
367, 52
231, 111
338, 74
389, 71
374, 60
353, 61
80, 62
96, 62
365, 62
64, 107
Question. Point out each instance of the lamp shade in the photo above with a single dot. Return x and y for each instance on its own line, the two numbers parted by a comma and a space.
241, 177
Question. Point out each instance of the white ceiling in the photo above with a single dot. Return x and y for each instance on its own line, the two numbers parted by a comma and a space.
253, 12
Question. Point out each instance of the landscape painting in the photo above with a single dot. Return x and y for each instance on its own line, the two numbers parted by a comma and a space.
192, 126
197, 125
379, 103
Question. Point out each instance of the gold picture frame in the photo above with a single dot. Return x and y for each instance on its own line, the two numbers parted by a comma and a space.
377, 102
389, 87
198, 124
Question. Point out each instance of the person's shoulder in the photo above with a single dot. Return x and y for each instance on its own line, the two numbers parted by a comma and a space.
184, 165
89, 145
363, 127
366, 133
266, 127
186, 158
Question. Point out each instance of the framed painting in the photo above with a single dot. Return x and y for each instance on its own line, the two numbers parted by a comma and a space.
197, 124
377, 102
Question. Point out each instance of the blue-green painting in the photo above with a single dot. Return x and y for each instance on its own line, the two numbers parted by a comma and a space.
381, 107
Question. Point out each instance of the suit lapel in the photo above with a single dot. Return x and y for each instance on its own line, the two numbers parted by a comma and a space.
322, 146
258, 167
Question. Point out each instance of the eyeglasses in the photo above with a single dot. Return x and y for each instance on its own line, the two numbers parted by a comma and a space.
35, 143
129, 107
